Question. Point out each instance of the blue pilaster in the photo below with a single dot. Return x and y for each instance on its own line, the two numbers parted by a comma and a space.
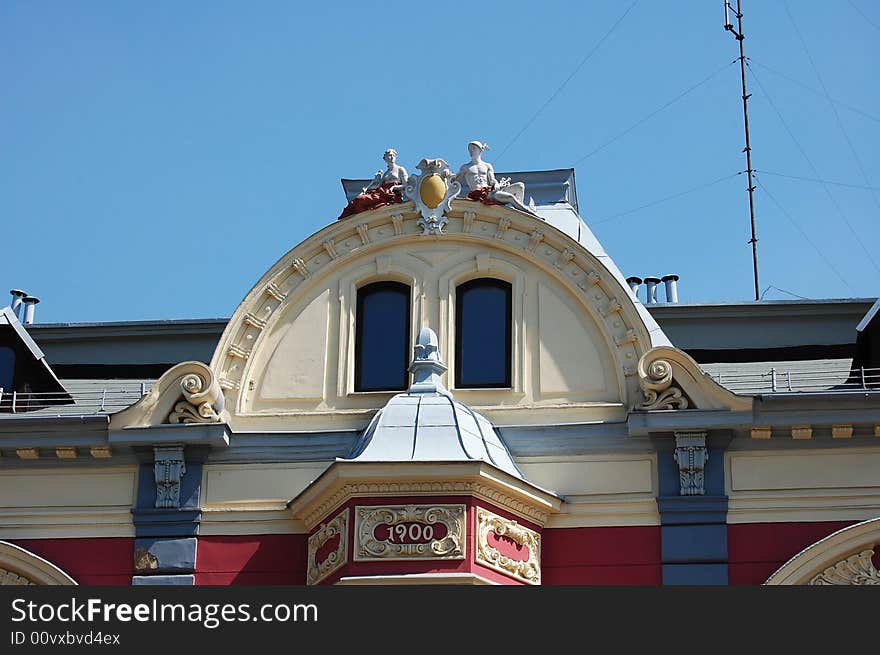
167, 515
693, 509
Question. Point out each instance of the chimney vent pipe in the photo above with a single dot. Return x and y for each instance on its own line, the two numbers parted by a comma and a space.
17, 295
634, 282
30, 303
651, 289
671, 282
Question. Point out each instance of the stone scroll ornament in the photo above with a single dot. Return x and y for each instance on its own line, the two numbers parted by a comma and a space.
203, 399
655, 379
335, 529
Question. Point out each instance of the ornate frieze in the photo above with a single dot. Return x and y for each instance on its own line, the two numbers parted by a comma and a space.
691, 456
492, 529
856, 569
334, 530
393, 532
168, 468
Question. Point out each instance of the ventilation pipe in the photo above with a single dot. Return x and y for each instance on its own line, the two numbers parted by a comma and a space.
30, 303
651, 289
634, 282
671, 282
17, 295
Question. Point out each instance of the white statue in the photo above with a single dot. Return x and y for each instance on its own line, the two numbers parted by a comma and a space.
480, 177
394, 173
385, 189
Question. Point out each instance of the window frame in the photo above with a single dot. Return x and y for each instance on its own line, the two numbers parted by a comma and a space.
460, 291
360, 295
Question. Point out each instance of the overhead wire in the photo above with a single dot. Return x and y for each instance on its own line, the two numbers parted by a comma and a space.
849, 142
667, 198
681, 95
793, 80
791, 220
865, 16
816, 179
567, 79
813, 168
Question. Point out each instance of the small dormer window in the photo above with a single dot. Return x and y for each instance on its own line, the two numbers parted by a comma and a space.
483, 334
382, 347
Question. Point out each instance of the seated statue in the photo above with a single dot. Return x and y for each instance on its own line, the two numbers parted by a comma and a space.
385, 188
480, 177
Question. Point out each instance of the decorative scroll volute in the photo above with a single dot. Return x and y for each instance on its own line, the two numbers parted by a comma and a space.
656, 382
338, 527
856, 569
203, 399
528, 570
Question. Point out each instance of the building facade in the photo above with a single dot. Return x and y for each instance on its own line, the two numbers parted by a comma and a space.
451, 384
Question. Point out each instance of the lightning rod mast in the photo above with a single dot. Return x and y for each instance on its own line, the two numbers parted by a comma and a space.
738, 33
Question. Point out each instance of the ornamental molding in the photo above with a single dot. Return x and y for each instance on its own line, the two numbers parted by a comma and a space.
497, 226
317, 571
856, 569
369, 548
691, 456
841, 558
528, 571
311, 513
168, 469
14, 579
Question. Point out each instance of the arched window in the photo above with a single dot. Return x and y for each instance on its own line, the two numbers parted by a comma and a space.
381, 348
482, 334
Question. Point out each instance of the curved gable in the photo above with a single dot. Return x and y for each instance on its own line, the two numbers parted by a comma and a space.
577, 334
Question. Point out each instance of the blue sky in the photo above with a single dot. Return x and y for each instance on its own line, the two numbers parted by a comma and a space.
158, 157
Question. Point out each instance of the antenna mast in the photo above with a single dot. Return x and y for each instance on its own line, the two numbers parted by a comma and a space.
738, 33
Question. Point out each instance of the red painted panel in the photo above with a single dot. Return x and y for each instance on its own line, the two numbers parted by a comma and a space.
89, 561
756, 550
648, 574
601, 546
251, 559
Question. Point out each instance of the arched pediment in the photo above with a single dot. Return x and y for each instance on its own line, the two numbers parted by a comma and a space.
287, 348
21, 567
841, 558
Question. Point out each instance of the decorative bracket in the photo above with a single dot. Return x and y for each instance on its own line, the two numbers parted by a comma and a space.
691, 456
168, 467
432, 191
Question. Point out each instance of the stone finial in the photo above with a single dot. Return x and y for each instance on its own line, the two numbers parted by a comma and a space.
427, 367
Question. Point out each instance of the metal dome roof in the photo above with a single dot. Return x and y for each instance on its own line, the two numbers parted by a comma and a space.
426, 424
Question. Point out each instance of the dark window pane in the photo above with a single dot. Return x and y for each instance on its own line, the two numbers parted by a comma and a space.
7, 368
483, 334
382, 338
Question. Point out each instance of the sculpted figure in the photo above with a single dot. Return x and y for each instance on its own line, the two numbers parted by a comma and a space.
480, 177
384, 189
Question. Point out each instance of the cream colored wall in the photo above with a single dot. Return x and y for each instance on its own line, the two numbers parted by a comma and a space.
599, 490
64, 502
252, 498
305, 360
807, 485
